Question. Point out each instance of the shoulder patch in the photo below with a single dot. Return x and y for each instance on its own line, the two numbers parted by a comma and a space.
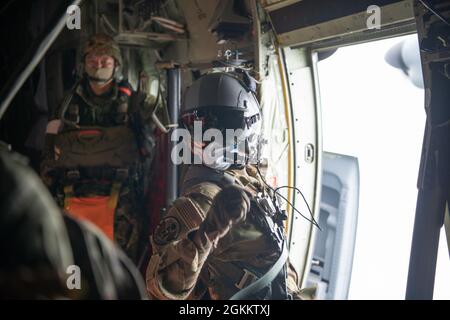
189, 212
167, 231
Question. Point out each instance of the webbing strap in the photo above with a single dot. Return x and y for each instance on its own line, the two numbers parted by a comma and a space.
68, 194
265, 280
114, 196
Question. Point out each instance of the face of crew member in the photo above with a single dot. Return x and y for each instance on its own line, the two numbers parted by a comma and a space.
100, 68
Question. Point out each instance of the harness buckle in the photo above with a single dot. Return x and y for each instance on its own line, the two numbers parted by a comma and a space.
266, 205
247, 278
73, 175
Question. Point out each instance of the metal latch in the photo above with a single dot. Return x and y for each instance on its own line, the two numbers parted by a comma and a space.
309, 153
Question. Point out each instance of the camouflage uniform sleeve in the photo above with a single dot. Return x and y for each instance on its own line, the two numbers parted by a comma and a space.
180, 250
54, 126
47, 157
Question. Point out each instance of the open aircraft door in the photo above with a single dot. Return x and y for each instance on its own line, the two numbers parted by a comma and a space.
323, 258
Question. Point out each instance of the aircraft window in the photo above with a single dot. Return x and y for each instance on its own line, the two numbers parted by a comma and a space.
372, 101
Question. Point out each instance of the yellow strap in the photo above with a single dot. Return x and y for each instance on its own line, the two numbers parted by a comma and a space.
114, 197
68, 194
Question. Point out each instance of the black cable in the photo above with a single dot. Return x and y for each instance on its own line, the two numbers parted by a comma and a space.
312, 220
287, 201
304, 199
434, 11
275, 191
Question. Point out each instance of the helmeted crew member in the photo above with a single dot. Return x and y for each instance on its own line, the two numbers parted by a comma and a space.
99, 148
224, 235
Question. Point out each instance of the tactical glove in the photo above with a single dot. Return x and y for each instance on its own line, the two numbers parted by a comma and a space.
230, 206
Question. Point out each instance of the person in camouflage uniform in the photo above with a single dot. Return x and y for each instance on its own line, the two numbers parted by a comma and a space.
39, 244
99, 149
225, 234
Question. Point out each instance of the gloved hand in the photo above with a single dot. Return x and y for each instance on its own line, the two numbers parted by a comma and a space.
229, 207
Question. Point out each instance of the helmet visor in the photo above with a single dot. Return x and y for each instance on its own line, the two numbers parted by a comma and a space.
215, 118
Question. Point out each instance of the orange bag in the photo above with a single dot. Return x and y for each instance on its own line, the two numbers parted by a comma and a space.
98, 210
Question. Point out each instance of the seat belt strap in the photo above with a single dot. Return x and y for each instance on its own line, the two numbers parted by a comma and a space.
266, 279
